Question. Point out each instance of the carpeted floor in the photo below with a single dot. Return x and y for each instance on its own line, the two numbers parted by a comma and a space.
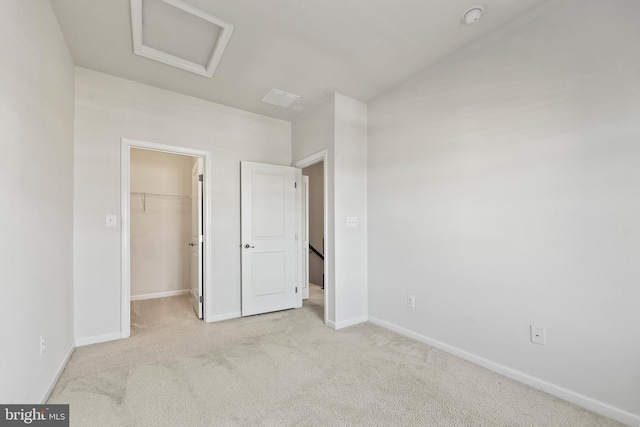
288, 369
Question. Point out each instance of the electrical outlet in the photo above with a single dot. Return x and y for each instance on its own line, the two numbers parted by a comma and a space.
43, 346
538, 335
411, 301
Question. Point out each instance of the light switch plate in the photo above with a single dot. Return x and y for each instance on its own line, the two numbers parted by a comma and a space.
411, 301
352, 221
110, 221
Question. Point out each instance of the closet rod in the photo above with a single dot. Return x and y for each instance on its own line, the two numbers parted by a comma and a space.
144, 197
181, 196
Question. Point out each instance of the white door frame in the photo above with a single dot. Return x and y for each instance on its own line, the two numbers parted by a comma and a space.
125, 201
328, 284
196, 253
305, 233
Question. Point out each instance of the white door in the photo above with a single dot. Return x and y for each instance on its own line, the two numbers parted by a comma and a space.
196, 242
305, 237
268, 235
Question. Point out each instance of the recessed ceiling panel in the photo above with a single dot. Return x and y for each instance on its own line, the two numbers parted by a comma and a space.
178, 34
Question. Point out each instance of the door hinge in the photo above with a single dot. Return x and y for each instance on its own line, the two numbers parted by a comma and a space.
200, 177
296, 289
200, 299
295, 185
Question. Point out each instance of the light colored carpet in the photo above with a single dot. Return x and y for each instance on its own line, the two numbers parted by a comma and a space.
288, 369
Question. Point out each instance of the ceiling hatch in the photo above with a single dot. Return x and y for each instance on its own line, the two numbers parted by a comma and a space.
178, 34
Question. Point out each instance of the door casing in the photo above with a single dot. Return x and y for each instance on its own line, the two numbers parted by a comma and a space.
125, 201
197, 254
305, 236
322, 156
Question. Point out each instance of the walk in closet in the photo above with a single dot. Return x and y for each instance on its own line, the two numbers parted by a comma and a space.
160, 223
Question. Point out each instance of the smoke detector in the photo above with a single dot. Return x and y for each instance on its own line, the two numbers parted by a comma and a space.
473, 14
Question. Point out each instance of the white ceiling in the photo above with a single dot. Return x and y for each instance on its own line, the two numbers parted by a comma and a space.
311, 48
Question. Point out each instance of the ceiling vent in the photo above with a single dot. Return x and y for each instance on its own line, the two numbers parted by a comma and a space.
280, 98
178, 34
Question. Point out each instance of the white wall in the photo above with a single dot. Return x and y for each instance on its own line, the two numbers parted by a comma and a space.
36, 179
350, 201
339, 126
316, 220
161, 173
109, 108
503, 192
311, 133
160, 222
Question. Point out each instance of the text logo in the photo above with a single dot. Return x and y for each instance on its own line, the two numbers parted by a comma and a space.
34, 415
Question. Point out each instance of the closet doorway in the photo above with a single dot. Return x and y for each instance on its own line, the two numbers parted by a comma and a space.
165, 232
165, 216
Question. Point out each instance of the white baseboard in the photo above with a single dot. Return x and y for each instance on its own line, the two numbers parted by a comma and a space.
81, 342
552, 389
350, 322
55, 379
225, 316
159, 295
331, 324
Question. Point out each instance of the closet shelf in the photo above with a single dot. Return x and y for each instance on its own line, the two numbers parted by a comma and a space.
180, 196
143, 196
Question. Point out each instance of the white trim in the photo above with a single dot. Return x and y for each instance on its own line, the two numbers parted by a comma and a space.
570, 396
323, 156
311, 160
225, 316
351, 322
300, 241
55, 379
160, 56
125, 241
207, 288
304, 191
220, 44
81, 342
159, 295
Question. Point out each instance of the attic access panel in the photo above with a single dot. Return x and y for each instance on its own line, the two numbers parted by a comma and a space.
178, 34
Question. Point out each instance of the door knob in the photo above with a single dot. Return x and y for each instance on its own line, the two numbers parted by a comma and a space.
247, 246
